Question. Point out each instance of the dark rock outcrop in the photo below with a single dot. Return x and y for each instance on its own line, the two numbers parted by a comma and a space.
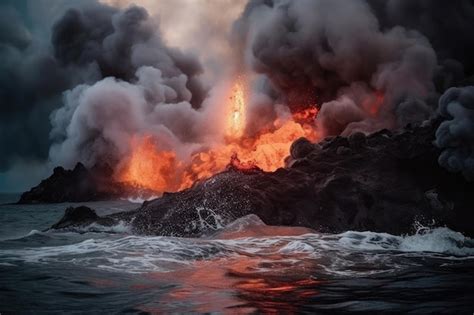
80, 216
79, 185
384, 182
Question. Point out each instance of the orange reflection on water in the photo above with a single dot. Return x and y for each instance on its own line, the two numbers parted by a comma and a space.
244, 284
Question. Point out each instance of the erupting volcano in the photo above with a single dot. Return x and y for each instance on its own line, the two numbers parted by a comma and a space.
150, 167
237, 156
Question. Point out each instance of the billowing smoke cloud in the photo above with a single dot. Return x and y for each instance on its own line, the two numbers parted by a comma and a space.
98, 122
116, 43
202, 27
149, 89
333, 53
455, 135
89, 41
448, 26
367, 64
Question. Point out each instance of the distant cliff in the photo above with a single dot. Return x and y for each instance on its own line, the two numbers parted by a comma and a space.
79, 185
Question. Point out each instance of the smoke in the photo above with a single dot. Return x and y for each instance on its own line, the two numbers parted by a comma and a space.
117, 42
448, 26
80, 79
98, 122
200, 26
455, 135
149, 89
334, 54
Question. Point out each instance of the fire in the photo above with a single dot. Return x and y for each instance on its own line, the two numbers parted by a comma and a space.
161, 170
149, 167
236, 117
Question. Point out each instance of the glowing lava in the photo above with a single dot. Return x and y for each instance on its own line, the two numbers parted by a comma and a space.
236, 117
149, 167
161, 170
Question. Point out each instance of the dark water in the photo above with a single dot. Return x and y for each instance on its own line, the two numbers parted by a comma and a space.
246, 267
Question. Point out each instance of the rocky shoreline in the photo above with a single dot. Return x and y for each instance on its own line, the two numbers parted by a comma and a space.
383, 182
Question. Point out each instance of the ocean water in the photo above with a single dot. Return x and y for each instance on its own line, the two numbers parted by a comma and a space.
246, 267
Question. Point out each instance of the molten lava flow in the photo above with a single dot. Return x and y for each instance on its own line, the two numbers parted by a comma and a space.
161, 170
149, 167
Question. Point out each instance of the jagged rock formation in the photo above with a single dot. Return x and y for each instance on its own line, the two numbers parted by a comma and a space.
384, 182
79, 185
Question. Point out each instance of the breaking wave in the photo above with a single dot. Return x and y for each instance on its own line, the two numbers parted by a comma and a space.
348, 253
140, 199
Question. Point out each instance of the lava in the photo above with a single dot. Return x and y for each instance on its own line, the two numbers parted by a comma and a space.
149, 167
236, 116
160, 170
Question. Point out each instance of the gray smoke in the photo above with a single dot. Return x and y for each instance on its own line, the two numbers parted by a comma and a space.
81, 43
455, 135
449, 28
78, 80
340, 54
117, 42
149, 89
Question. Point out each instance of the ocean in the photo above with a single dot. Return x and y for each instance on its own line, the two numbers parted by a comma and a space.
246, 267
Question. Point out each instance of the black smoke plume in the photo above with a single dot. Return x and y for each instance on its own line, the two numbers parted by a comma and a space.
455, 135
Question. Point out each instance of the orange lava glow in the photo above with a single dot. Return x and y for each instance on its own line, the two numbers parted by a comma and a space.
161, 170
149, 167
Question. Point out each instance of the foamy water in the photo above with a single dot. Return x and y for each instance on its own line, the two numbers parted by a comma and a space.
243, 267
142, 254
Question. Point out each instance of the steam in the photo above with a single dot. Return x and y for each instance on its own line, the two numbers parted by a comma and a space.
455, 135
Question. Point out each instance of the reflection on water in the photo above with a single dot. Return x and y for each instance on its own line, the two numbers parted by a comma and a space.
245, 283
247, 267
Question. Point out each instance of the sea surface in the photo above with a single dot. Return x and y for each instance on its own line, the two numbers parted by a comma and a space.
246, 267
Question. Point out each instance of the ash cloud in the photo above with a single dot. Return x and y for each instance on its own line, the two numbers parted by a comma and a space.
449, 28
338, 54
78, 79
148, 89
117, 42
84, 43
455, 135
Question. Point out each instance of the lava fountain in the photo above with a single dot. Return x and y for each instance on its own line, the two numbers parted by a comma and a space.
150, 167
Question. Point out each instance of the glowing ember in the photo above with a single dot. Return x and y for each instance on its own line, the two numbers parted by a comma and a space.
160, 170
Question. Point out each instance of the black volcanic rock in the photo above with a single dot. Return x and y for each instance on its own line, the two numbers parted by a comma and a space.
79, 215
79, 185
384, 182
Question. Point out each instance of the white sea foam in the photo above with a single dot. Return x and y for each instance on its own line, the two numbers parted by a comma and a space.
350, 253
437, 240
141, 199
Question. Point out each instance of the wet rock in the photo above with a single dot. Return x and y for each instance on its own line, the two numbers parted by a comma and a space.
76, 216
